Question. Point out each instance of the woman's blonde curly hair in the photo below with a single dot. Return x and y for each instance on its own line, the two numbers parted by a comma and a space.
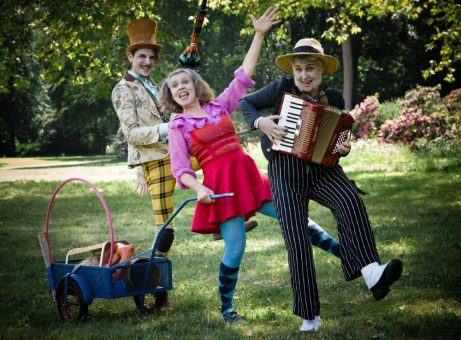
202, 91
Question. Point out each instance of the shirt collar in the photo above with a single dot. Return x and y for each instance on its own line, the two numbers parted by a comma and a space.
138, 76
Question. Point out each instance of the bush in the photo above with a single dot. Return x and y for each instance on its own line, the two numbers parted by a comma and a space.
409, 127
453, 104
388, 110
121, 145
370, 115
440, 147
426, 98
28, 149
453, 101
425, 117
365, 115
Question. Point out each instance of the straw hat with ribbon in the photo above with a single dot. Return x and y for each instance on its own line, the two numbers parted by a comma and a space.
142, 34
308, 47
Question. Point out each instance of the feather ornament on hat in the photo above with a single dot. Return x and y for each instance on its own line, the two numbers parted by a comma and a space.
190, 57
308, 47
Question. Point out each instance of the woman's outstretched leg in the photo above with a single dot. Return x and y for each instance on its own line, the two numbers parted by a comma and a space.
318, 236
321, 239
233, 232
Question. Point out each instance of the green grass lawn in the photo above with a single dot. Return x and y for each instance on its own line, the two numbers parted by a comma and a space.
414, 206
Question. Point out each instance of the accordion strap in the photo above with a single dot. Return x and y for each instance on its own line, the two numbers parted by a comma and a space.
321, 97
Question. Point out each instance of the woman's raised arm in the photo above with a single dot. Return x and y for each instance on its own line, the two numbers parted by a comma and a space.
261, 26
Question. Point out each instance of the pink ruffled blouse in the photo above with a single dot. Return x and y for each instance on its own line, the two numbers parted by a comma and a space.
184, 123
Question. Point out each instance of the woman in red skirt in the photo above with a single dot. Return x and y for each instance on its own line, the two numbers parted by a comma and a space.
202, 128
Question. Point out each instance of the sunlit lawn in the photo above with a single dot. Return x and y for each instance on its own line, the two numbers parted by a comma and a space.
414, 206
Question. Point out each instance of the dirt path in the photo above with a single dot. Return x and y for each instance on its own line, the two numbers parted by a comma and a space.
34, 169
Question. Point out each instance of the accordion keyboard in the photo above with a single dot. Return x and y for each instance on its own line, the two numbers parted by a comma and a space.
290, 119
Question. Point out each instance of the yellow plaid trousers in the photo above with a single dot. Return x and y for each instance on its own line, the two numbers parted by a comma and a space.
161, 188
161, 185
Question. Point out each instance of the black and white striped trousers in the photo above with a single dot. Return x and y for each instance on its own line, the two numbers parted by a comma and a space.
293, 182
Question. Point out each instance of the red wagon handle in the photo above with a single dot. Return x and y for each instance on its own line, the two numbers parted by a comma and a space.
106, 209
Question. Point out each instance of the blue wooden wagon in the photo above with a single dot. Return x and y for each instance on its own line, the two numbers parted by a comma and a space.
74, 283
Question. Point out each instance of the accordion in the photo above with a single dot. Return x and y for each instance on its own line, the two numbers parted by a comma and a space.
314, 131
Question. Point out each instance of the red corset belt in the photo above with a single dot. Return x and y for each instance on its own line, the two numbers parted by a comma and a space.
212, 141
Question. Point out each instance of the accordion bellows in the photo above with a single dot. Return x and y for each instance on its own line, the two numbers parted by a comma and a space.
314, 131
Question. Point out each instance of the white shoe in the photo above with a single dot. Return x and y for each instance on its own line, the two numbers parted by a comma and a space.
371, 273
310, 325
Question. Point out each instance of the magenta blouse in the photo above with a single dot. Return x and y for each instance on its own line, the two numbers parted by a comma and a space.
182, 124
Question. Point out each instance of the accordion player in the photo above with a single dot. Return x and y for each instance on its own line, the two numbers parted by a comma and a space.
314, 131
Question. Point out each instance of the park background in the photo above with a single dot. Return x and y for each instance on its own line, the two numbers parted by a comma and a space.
400, 71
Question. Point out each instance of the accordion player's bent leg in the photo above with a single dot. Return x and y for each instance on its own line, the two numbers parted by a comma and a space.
289, 185
331, 188
318, 236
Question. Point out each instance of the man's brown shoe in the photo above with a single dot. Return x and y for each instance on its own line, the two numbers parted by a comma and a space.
162, 304
249, 226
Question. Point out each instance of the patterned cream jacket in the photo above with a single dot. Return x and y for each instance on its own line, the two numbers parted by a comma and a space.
139, 119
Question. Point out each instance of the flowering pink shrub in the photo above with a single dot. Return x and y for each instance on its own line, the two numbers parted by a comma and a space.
409, 127
453, 120
453, 101
365, 115
427, 98
425, 117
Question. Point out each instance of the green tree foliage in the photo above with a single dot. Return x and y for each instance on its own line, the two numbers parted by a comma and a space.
23, 111
77, 49
387, 49
74, 53
23, 97
442, 16
387, 37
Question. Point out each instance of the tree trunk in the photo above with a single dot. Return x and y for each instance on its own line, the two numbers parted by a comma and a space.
348, 73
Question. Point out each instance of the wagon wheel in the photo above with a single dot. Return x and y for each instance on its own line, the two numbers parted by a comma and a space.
76, 308
136, 279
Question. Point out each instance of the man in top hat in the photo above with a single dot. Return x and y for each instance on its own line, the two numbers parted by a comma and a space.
295, 181
146, 129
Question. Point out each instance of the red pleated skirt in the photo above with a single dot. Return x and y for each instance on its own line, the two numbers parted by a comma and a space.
232, 172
